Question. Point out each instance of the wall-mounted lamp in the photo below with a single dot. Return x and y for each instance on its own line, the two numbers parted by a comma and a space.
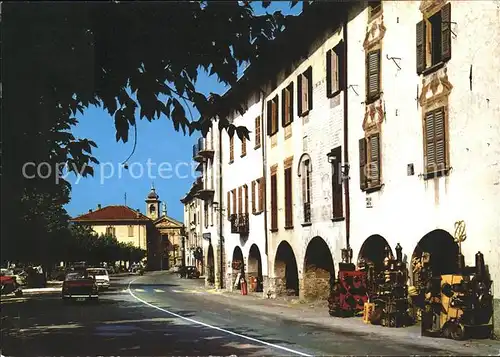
216, 206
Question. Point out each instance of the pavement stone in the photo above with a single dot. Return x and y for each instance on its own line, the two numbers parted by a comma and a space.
317, 313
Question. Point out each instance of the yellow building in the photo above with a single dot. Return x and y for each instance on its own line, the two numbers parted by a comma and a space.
160, 235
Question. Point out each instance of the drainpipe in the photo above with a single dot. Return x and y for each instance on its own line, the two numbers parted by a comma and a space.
346, 146
264, 165
221, 238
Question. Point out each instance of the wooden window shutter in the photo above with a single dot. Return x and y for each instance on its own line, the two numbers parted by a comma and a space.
288, 198
309, 88
332, 72
304, 182
362, 164
439, 138
299, 94
228, 203
284, 107
274, 202
254, 208
446, 32
245, 190
240, 200
430, 151
244, 146
261, 194
329, 86
305, 92
269, 118
421, 62
374, 171
337, 184
234, 202
257, 131
373, 74
231, 148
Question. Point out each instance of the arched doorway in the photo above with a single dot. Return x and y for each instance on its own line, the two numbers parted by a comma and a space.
211, 265
254, 269
373, 252
442, 251
238, 268
285, 271
319, 271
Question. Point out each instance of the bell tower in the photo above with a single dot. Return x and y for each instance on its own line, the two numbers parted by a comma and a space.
153, 204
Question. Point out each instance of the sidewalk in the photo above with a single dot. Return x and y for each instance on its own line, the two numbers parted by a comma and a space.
316, 314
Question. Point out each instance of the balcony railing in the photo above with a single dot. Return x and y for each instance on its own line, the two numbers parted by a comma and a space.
205, 147
240, 223
307, 212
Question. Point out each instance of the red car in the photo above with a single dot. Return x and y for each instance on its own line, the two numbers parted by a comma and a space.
80, 286
9, 286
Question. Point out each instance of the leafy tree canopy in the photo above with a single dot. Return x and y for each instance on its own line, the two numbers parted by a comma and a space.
60, 58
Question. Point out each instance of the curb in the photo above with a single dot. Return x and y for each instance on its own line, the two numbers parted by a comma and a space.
41, 290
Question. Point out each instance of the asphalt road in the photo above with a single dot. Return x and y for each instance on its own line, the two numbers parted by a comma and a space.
156, 315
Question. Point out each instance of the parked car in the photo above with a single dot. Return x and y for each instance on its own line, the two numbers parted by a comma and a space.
80, 286
8, 285
101, 277
190, 272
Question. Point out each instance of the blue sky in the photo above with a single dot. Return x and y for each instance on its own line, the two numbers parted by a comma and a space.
157, 141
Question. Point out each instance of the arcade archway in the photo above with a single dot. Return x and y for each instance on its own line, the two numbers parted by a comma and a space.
441, 251
373, 252
319, 270
210, 265
286, 271
254, 269
238, 268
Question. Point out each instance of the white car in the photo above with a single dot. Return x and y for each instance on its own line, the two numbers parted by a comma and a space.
101, 277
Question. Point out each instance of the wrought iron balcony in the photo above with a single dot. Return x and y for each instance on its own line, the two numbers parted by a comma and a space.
196, 153
233, 218
240, 223
307, 212
243, 223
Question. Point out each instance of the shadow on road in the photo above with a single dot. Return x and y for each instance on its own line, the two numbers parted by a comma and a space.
47, 326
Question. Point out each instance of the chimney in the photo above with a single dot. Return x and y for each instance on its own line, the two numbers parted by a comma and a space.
98, 206
138, 213
90, 210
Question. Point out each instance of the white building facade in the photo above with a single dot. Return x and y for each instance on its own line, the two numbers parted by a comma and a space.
243, 188
424, 125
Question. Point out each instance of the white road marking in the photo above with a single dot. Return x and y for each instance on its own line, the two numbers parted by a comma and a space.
214, 327
176, 291
159, 291
140, 290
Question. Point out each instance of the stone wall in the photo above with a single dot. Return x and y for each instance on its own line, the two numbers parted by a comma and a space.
316, 284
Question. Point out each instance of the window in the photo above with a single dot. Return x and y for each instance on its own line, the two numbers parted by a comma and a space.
369, 162
111, 231
245, 192
306, 189
231, 149
372, 75
274, 199
337, 205
130, 231
435, 145
272, 116
234, 202
243, 146
152, 209
287, 105
433, 39
375, 8
257, 132
205, 209
261, 184
334, 70
240, 200
288, 194
254, 206
304, 95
